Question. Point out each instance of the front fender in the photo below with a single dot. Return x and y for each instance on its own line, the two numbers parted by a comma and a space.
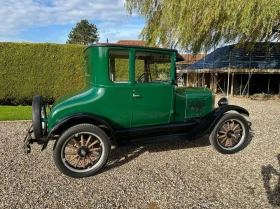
225, 108
76, 119
209, 121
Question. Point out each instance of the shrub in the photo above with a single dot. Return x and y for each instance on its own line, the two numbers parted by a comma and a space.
28, 69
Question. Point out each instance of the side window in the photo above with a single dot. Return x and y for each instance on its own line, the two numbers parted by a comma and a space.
152, 67
86, 66
119, 66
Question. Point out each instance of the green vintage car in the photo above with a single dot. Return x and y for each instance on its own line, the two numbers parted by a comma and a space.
131, 95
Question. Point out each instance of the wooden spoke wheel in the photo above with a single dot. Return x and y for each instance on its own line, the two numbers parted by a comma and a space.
81, 151
231, 134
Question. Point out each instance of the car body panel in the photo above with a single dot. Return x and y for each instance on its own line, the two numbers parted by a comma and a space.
112, 100
98, 101
153, 104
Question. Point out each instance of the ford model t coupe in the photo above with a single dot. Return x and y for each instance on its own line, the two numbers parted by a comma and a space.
130, 94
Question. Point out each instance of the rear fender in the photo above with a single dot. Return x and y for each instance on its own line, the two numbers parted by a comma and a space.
76, 119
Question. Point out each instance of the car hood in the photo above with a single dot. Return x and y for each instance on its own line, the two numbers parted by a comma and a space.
193, 90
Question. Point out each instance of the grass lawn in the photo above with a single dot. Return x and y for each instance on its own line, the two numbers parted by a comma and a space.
15, 113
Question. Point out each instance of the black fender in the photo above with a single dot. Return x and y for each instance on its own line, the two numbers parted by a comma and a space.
225, 108
75, 119
209, 121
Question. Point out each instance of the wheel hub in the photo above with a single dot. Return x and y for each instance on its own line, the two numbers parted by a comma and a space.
230, 133
83, 151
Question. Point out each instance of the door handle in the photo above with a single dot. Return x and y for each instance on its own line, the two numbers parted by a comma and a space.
136, 96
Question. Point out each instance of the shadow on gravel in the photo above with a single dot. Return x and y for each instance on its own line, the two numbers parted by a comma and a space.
272, 189
124, 155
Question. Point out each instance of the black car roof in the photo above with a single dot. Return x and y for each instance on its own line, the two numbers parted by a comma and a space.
178, 56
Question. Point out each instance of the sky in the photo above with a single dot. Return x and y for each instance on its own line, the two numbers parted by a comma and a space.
50, 21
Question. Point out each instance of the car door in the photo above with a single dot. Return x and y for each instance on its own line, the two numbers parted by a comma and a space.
153, 92
117, 99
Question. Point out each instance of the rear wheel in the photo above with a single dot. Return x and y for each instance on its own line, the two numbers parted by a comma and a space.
81, 151
231, 134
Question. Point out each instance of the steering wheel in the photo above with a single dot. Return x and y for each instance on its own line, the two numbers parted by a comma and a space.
141, 78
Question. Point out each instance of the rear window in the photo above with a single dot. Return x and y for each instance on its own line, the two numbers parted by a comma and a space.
86, 66
119, 66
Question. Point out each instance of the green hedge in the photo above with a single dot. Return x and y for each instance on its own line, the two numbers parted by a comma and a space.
28, 69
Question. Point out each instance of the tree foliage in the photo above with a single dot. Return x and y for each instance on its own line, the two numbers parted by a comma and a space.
84, 33
199, 25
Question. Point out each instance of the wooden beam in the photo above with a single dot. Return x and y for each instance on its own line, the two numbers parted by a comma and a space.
249, 78
279, 87
215, 83
211, 81
241, 84
228, 83
232, 85
268, 84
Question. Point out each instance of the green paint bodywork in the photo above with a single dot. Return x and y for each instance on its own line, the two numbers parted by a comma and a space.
158, 102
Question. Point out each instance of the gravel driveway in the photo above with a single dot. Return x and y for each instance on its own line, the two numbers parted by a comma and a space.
182, 174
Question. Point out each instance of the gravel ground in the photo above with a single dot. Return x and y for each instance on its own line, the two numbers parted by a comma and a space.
182, 174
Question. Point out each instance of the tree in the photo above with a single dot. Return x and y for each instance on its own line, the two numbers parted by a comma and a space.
84, 33
201, 25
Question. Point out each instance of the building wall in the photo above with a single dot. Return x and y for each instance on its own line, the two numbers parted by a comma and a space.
238, 82
198, 79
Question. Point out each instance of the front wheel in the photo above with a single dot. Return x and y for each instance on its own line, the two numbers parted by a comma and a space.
231, 134
81, 151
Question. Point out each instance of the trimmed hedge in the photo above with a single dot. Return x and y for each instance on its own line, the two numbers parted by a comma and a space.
27, 69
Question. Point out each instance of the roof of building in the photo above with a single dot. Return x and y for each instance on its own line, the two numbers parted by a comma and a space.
191, 58
261, 56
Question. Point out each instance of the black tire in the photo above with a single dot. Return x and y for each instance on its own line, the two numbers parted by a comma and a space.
231, 134
38, 113
75, 151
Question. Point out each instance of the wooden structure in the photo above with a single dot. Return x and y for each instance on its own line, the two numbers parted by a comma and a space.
190, 59
238, 70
